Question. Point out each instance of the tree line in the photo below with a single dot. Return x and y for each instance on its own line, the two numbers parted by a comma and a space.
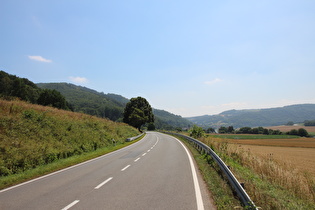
197, 132
309, 122
261, 130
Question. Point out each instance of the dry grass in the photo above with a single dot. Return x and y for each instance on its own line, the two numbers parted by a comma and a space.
301, 159
300, 153
284, 164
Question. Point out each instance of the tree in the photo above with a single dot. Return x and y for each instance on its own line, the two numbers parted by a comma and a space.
245, 130
210, 130
151, 126
230, 129
290, 123
138, 112
52, 98
302, 132
222, 129
196, 132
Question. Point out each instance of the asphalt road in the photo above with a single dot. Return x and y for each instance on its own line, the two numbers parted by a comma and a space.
154, 173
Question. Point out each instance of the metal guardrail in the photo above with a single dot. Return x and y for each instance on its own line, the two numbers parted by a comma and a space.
135, 137
241, 193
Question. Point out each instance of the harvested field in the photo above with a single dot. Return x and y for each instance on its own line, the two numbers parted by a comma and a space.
286, 128
298, 142
300, 152
285, 167
299, 158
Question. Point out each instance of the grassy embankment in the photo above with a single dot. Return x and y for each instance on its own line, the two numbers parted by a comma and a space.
271, 183
36, 140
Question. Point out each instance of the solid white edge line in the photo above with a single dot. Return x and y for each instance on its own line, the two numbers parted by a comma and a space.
100, 185
125, 168
195, 178
71, 204
74, 166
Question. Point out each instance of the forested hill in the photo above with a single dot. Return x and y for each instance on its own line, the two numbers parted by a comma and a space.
89, 101
12, 86
79, 99
169, 121
109, 106
258, 117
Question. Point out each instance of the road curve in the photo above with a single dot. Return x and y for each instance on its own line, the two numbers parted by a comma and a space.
154, 173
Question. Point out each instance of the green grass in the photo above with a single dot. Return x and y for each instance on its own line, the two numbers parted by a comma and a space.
34, 137
7, 181
252, 136
311, 133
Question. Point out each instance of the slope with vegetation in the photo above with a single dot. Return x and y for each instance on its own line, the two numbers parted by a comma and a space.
34, 135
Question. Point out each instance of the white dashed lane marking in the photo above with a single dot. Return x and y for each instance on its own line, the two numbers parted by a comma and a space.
100, 185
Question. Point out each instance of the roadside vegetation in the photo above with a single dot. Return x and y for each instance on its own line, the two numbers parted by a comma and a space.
33, 136
270, 182
221, 191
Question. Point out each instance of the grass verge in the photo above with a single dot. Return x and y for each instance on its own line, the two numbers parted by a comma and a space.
218, 186
42, 170
35, 140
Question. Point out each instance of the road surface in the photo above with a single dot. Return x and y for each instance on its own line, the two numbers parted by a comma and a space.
154, 173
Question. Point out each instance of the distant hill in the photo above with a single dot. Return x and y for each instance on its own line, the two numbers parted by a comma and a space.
110, 105
169, 121
257, 117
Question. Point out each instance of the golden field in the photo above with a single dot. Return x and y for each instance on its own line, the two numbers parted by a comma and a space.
299, 152
278, 173
299, 158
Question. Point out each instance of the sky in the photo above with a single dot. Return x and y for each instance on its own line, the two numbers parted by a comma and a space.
190, 58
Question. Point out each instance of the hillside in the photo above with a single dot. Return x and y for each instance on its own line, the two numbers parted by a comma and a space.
33, 135
109, 106
257, 117
168, 121
12, 87
89, 101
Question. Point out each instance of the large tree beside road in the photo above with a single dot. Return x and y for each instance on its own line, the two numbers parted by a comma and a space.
138, 112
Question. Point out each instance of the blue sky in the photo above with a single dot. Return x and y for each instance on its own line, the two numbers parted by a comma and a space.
187, 57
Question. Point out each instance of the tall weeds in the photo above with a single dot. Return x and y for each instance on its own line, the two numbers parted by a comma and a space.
271, 184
